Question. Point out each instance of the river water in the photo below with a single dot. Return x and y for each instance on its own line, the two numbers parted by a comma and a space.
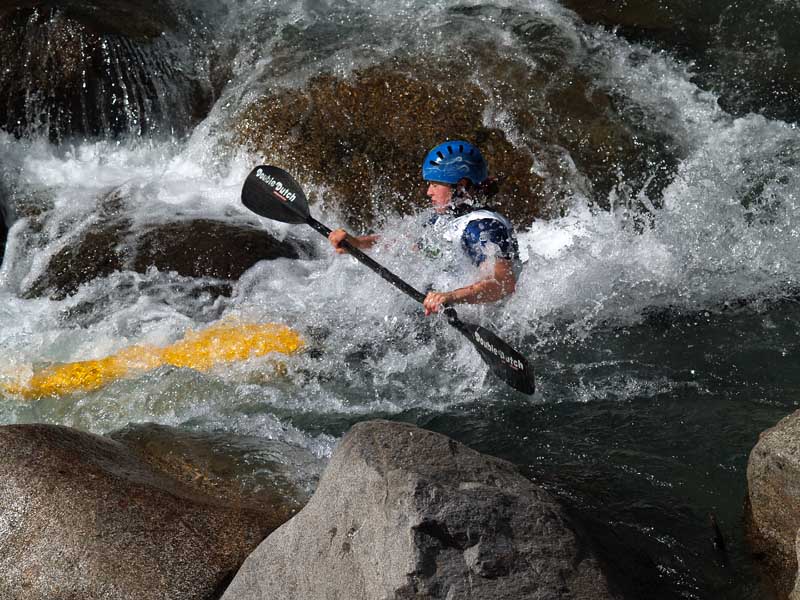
661, 351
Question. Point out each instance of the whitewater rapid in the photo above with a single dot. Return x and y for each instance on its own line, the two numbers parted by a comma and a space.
725, 229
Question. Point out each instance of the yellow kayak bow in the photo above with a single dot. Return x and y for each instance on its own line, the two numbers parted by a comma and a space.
199, 350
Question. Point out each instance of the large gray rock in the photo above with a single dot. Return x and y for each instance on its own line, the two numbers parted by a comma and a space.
81, 516
401, 512
773, 503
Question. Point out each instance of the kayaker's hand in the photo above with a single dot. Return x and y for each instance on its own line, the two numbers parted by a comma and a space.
434, 300
336, 237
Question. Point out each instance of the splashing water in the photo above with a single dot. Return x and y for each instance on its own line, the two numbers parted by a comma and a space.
663, 330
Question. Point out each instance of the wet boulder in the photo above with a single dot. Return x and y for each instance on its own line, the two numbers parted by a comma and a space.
364, 138
401, 512
82, 516
269, 475
745, 52
206, 248
85, 251
545, 129
773, 504
101, 67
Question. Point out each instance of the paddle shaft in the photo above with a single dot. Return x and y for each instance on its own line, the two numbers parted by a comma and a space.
501, 358
380, 269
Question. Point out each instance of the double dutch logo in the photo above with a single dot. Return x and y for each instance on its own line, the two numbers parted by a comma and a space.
280, 191
512, 362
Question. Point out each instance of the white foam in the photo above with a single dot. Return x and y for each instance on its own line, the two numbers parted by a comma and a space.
377, 351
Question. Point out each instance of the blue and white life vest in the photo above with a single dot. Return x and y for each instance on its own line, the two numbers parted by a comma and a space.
478, 235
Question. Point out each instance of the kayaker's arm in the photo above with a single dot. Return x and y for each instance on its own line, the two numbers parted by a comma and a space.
362, 242
498, 283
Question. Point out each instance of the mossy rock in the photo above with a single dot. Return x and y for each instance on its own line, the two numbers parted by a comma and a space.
363, 136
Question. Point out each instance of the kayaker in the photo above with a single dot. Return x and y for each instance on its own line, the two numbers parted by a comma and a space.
458, 186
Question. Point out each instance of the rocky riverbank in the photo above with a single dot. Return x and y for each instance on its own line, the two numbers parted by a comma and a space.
399, 510
773, 505
84, 516
153, 512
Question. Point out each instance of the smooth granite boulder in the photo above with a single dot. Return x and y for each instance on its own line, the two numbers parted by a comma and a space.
773, 503
401, 512
82, 516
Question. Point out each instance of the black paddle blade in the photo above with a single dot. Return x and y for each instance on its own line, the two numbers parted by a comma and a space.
272, 193
505, 362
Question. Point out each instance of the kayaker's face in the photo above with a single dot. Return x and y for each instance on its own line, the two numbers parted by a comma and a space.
440, 194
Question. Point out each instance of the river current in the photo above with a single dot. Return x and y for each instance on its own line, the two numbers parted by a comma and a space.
661, 351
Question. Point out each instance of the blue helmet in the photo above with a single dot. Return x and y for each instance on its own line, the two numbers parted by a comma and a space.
451, 162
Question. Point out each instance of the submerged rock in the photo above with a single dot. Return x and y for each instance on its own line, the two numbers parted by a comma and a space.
87, 251
192, 248
401, 512
81, 516
255, 472
206, 248
99, 67
773, 504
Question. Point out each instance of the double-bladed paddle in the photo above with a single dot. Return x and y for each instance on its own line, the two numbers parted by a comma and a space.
273, 193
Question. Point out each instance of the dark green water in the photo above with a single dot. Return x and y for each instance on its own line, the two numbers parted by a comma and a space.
675, 408
644, 432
